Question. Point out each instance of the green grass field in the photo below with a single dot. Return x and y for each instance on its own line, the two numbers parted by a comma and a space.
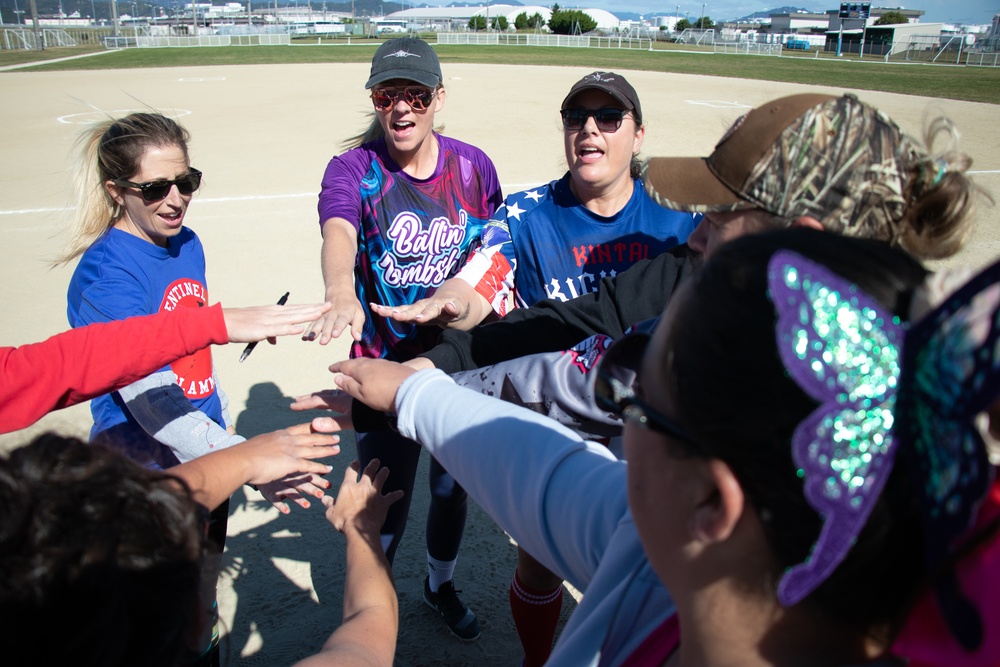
976, 84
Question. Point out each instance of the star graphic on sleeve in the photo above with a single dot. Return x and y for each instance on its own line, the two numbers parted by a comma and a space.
533, 195
515, 211
509, 393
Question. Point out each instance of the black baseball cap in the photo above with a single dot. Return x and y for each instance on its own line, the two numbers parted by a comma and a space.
614, 85
405, 58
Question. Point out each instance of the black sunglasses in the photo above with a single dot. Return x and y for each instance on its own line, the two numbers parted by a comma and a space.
607, 119
157, 190
614, 388
418, 97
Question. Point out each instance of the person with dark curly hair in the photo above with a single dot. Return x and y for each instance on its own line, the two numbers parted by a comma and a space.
105, 562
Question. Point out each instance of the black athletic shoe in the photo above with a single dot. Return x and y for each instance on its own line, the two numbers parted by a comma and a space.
460, 619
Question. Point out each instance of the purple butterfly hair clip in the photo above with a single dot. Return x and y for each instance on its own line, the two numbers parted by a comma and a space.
884, 392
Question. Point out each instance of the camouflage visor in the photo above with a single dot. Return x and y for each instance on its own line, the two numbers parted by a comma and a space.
835, 159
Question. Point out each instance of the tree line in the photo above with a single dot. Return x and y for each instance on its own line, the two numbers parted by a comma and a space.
562, 22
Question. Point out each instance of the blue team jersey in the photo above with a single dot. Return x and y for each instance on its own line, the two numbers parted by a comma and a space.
544, 244
122, 276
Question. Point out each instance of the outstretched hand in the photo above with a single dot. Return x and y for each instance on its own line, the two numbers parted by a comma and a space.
441, 311
360, 504
282, 465
333, 400
374, 382
343, 313
249, 325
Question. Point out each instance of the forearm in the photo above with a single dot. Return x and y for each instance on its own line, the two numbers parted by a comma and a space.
339, 255
214, 477
532, 476
546, 327
370, 603
635, 295
367, 635
471, 306
162, 410
77, 365
559, 385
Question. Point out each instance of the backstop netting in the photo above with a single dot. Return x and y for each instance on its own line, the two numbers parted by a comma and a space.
535, 39
747, 48
697, 37
928, 49
24, 38
263, 39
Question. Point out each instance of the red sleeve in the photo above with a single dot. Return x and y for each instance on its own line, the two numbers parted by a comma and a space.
79, 364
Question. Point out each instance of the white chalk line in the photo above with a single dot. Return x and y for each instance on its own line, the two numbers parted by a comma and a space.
719, 104
97, 116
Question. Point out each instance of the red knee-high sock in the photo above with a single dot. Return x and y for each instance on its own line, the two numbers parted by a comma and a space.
536, 614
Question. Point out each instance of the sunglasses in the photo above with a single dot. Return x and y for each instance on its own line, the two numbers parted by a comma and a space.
157, 190
418, 97
607, 119
614, 388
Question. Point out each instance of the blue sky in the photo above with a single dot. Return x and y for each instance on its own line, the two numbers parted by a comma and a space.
944, 11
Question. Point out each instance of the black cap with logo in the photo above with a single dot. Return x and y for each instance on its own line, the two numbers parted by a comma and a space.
614, 85
405, 58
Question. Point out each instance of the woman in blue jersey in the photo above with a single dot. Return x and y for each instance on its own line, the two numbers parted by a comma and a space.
558, 241
399, 213
134, 184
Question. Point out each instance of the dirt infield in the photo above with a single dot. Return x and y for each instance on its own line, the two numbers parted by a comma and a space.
263, 135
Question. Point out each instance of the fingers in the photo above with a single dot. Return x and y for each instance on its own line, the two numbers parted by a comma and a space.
332, 424
341, 322
314, 401
357, 323
328, 399
425, 311
348, 384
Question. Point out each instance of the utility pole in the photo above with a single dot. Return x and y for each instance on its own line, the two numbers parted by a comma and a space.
114, 18
34, 26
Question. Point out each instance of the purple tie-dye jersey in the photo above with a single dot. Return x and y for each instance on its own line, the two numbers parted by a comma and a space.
412, 234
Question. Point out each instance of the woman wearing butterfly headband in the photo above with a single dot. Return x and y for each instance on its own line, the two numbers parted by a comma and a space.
793, 478
557, 241
865, 178
399, 213
134, 183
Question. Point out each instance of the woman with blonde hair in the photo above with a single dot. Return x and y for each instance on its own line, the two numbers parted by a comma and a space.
137, 257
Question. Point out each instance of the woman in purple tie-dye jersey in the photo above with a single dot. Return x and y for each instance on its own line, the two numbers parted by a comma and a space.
399, 214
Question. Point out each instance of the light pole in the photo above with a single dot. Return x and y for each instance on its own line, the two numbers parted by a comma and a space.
701, 21
115, 25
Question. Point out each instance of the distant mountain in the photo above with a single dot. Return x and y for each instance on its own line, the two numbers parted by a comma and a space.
764, 14
483, 2
777, 10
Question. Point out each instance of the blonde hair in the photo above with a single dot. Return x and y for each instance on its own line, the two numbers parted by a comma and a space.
110, 150
374, 130
942, 196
